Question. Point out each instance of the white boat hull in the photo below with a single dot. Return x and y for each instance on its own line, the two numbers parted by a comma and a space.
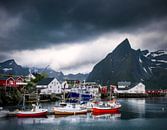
70, 109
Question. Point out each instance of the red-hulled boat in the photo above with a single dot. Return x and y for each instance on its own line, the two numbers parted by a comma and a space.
35, 112
106, 107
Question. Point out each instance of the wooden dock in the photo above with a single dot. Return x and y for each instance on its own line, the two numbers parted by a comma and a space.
34, 101
138, 95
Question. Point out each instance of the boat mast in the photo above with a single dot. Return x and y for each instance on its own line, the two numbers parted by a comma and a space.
110, 92
37, 97
64, 92
23, 99
64, 95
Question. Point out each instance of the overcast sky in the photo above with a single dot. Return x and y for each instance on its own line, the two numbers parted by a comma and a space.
73, 35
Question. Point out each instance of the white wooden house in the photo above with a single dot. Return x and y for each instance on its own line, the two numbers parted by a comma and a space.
49, 86
130, 88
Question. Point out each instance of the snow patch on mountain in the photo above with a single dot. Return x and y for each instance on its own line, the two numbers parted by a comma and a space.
163, 61
140, 60
11, 63
145, 69
153, 60
158, 53
7, 69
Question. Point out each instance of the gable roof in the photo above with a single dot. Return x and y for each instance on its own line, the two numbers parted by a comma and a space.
45, 81
129, 87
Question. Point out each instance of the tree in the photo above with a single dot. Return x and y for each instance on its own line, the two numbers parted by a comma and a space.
31, 86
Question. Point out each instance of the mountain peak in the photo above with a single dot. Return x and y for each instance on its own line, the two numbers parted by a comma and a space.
10, 62
123, 48
124, 44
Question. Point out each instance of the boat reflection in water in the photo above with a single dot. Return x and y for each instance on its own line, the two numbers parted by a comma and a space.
136, 114
89, 117
106, 116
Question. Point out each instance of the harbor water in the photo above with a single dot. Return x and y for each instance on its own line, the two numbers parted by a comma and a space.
136, 114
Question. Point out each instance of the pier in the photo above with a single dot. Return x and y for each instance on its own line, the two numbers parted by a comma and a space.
139, 95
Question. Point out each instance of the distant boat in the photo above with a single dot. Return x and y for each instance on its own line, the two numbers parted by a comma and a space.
3, 113
106, 107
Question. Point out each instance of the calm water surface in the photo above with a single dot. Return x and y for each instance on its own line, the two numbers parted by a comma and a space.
136, 114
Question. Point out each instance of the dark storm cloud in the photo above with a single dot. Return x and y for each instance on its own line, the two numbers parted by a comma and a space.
159, 41
43, 23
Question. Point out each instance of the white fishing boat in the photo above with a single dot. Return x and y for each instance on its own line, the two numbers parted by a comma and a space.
69, 109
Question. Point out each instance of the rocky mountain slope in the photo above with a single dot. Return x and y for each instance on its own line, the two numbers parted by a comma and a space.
127, 64
10, 67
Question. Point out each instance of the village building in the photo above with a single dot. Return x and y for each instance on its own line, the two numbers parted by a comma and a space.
49, 86
127, 87
12, 81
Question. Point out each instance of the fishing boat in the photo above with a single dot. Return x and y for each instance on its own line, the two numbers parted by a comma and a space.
3, 113
36, 110
65, 108
106, 107
70, 109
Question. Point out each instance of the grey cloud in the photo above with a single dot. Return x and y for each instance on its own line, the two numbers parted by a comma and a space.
158, 41
45, 23
78, 64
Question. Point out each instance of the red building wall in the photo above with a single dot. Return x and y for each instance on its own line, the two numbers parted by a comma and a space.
9, 82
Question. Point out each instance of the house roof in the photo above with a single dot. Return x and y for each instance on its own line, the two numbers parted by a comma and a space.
129, 87
125, 83
45, 81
